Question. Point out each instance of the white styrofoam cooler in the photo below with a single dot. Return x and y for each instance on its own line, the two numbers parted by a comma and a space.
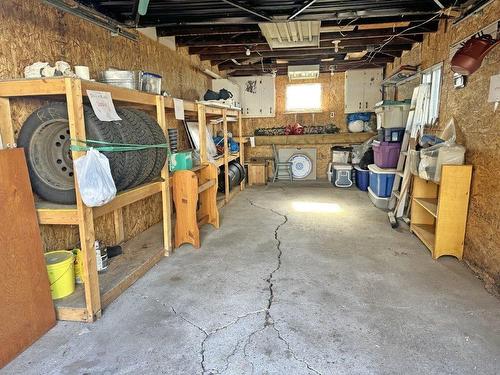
392, 115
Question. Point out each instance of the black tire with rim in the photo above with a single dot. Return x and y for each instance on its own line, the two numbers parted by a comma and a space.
46, 141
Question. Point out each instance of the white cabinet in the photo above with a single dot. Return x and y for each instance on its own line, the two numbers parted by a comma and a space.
218, 84
258, 96
363, 89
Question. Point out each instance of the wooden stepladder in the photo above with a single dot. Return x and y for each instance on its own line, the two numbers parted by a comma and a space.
402, 179
194, 194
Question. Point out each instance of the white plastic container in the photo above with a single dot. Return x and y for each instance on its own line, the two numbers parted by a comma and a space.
329, 173
392, 115
379, 202
340, 156
343, 175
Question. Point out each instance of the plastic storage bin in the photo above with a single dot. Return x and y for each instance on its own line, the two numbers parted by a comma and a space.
343, 175
386, 154
341, 154
362, 178
391, 134
381, 180
379, 202
181, 161
392, 114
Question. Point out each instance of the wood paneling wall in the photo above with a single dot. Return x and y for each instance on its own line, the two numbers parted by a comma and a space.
332, 101
31, 31
478, 129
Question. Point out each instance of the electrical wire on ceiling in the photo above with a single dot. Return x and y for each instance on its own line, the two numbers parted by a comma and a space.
368, 59
391, 38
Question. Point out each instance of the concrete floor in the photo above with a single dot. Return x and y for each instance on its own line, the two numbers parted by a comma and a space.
300, 279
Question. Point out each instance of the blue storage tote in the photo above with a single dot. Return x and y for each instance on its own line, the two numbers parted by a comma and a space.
381, 180
362, 178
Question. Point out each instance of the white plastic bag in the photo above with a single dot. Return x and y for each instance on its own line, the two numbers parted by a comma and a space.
94, 179
447, 152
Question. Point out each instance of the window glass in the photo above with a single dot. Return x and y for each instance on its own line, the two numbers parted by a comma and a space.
305, 97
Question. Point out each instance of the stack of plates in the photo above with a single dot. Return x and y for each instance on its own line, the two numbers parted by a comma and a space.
172, 137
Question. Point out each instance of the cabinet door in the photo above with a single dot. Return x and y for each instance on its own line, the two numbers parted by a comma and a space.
373, 88
267, 96
354, 91
257, 96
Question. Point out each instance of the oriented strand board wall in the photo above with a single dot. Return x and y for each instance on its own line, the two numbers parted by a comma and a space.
32, 31
332, 101
478, 128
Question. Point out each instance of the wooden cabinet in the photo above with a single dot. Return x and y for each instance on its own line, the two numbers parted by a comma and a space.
363, 89
258, 96
439, 212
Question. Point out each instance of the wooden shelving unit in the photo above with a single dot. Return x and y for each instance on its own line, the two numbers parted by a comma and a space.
439, 212
139, 253
203, 111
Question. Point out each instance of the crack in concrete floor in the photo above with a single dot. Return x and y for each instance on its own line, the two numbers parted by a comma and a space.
268, 320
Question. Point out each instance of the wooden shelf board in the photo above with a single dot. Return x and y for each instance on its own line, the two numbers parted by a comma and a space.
220, 162
128, 197
139, 255
426, 234
120, 94
32, 87
429, 204
52, 213
313, 139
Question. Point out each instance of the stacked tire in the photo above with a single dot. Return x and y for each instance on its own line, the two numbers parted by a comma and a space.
45, 138
236, 174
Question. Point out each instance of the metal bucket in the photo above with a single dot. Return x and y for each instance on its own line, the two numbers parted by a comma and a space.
122, 78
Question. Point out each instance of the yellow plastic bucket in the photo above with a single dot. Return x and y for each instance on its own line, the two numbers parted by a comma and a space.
61, 269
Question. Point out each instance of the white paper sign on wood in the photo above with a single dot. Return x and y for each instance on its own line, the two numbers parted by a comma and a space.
103, 106
179, 109
494, 95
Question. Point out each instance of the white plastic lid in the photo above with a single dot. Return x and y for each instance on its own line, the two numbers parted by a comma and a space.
375, 169
342, 167
358, 168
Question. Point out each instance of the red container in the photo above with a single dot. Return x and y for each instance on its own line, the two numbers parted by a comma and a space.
386, 154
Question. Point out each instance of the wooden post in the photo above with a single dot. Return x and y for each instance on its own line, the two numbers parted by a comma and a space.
226, 156
85, 214
242, 148
6, 128
118, 224
202, 130
165, 190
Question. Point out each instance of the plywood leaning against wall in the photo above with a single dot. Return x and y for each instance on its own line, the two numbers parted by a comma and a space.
478, 129
26, 311
31, 31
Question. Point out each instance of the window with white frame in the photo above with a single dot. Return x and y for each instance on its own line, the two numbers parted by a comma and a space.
303, 97
433, 77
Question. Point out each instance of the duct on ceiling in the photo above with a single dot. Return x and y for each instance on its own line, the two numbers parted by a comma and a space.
291, 34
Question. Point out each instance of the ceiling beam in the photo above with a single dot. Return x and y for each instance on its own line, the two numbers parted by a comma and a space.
339, 63
207, 30
245, 40
170, 18
323, 52
405, 44
255, 12
304, 6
